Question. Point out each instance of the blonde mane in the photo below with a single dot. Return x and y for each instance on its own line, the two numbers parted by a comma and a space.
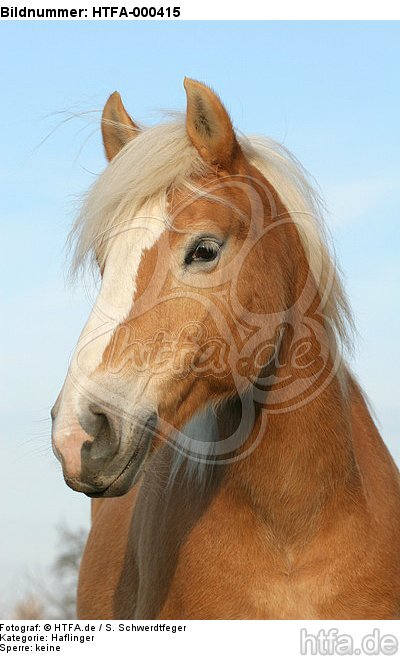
161, 158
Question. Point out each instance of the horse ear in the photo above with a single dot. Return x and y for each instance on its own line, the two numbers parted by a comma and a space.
209, 126
117, 126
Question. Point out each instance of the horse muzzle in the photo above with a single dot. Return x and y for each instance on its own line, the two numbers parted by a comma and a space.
101, 453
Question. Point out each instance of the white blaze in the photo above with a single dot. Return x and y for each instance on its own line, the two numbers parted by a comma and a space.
112, 306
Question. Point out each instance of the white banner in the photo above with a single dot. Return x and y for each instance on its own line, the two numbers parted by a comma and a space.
273, 638
189, 10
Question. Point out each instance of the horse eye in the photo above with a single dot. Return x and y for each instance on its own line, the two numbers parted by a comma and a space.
206, 250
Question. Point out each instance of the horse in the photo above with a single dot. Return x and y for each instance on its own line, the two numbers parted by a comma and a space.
209, 410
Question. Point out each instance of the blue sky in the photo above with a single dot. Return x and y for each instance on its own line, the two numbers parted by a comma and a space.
329, 91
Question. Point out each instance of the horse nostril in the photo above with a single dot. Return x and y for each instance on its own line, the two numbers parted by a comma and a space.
101, 424
93, 421
105, 443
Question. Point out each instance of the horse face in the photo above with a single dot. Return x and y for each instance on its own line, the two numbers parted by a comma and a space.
161, 341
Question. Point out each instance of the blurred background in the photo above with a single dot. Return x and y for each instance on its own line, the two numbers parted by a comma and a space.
328, 91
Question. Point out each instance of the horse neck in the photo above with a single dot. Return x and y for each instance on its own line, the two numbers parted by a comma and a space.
304, 465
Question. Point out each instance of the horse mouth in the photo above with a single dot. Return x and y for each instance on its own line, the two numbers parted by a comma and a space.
129, 474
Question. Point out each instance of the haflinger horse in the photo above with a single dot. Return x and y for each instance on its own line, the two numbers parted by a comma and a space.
234, 467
